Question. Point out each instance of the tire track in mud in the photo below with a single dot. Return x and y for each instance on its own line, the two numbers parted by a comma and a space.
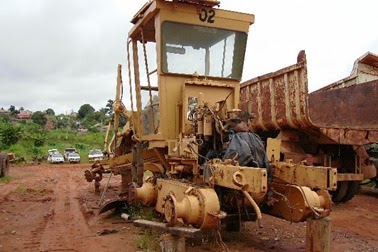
66, 221
32, 242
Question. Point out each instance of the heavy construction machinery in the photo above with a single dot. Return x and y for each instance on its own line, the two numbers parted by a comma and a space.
328, 127
185, 61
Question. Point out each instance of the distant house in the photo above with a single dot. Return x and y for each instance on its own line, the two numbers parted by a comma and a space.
4, 112
24, 115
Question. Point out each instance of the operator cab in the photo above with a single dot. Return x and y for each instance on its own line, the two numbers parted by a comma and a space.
182, 55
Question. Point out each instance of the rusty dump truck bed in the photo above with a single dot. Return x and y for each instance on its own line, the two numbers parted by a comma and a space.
346, 112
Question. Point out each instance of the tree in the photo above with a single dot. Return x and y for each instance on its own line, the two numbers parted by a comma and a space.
109, 107
50, 111
92, 119
39, 117
13, 111
38, 139
62, 121
84, 110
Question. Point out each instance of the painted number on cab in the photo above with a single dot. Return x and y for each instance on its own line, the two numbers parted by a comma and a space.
207, 15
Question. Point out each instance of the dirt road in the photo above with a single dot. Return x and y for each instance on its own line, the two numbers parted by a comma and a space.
52, 208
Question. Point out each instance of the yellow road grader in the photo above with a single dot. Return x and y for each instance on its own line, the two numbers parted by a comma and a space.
185, 61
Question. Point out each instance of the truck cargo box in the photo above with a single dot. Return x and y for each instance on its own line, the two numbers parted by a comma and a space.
346, 112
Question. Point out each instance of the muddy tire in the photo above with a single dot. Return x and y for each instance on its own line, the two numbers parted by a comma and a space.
346, 190
353, 187
4, 164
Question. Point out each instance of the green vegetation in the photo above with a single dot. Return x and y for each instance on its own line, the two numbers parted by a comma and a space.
147, 241
35, 142
35, 191
139, 212
5, 179
30, 139
9, 134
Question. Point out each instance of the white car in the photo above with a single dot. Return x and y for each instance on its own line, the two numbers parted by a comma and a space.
73, 157
68, 151
95, 155
52, 151
56, 158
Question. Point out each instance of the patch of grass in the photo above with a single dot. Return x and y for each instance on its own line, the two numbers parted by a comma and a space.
139, 212
134, 211
35, 191
20, 189
147, 214
5, 179
147, 241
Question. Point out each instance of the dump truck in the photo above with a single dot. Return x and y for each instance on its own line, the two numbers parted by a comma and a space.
185, 129
328, 127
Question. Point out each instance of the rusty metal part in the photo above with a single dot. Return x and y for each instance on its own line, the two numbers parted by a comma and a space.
350, 177
311, 176
113, 204
146, 193
199, 207
347, 115
298, 203
88, 175
346, 111
366, 164
250, 179
278, 99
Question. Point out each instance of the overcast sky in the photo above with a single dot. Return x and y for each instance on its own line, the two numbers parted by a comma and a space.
62, 54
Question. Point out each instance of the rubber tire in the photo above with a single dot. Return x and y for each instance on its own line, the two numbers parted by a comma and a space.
342, 188
353, 187
341, 191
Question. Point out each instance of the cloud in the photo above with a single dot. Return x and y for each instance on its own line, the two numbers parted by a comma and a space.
62, 54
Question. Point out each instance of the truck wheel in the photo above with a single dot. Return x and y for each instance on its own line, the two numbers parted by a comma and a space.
341, 191
353, 187
4, 164
345, 189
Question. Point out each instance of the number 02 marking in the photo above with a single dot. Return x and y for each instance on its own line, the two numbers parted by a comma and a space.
207, 16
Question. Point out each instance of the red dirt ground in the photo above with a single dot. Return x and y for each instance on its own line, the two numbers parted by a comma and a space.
52, 208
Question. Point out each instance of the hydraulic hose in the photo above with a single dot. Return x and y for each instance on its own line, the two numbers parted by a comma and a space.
256, 207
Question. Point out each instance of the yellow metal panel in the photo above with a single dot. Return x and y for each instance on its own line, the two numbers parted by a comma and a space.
312, 176
253, 180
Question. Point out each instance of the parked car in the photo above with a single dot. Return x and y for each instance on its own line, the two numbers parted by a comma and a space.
73, 157
68, 151
56, 158
94, 155
52, 151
